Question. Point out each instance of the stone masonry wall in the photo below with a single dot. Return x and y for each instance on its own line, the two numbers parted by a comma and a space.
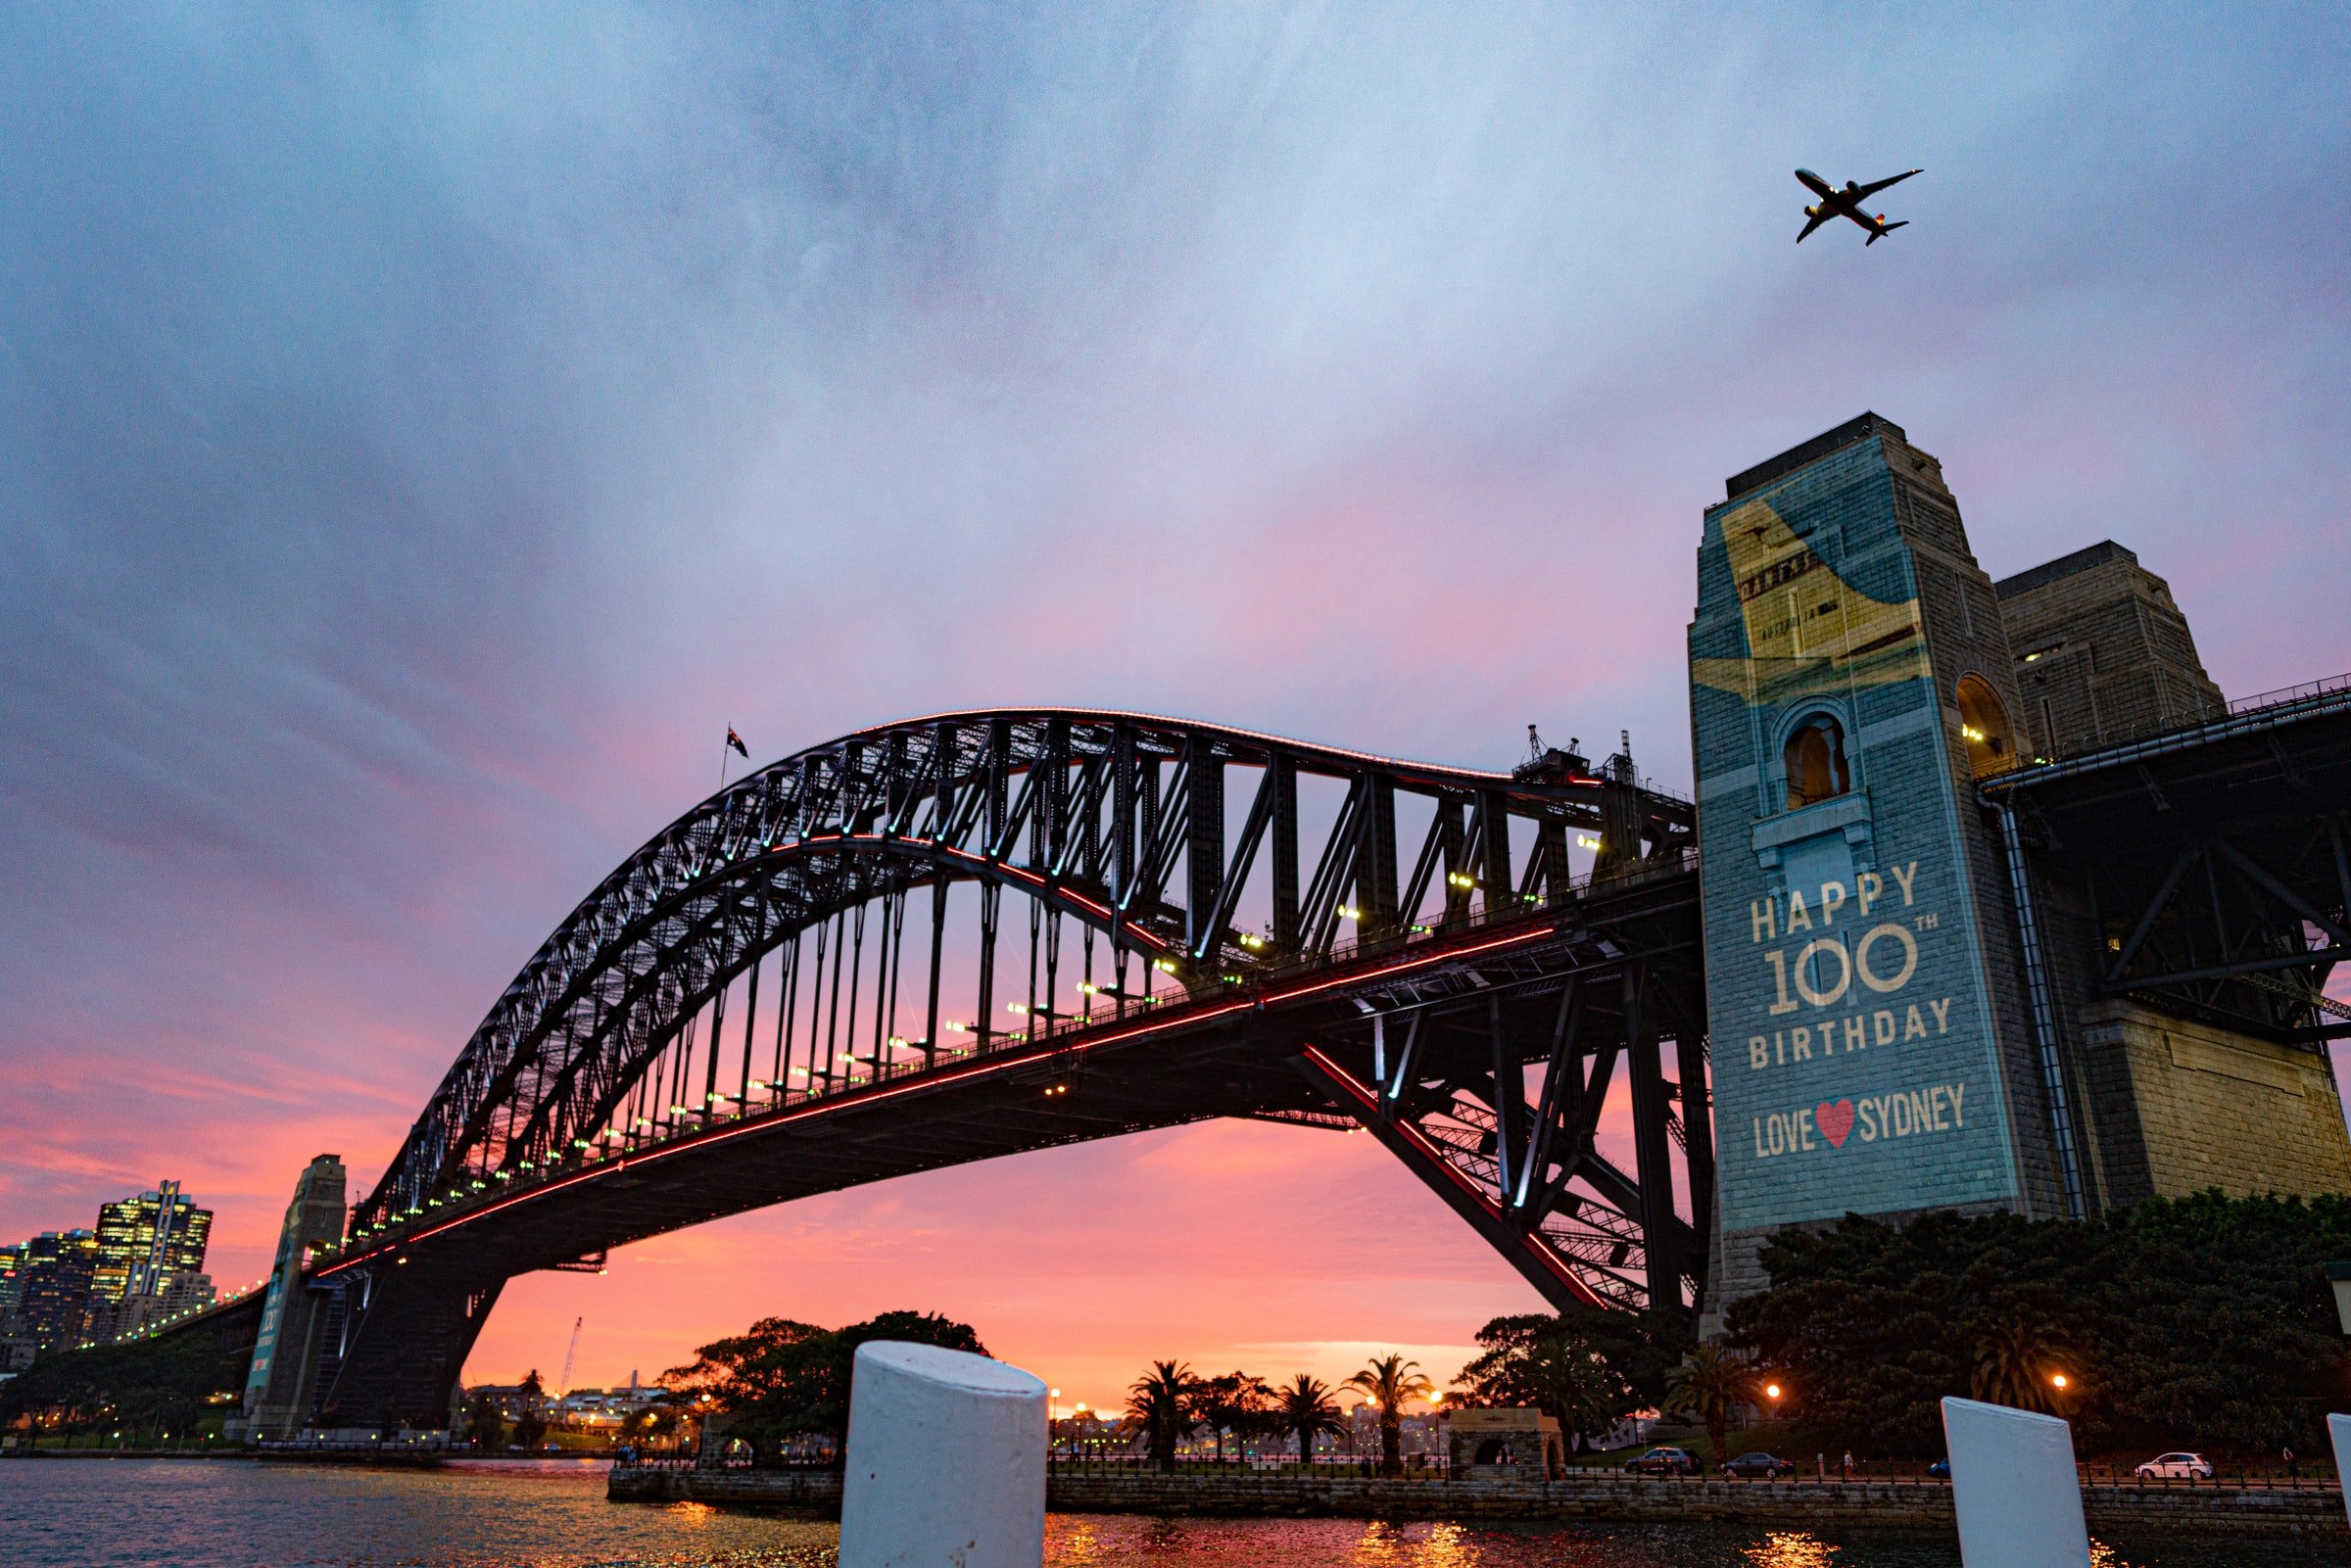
1967, 635
2215, 1107
2103, 652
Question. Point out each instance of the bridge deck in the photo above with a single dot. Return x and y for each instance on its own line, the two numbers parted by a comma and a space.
1230, 1054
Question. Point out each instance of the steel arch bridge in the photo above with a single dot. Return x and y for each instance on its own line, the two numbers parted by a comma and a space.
812, 980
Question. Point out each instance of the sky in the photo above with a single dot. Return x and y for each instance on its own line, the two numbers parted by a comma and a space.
423, 429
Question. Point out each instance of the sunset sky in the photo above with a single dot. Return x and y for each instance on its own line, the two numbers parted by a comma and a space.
423, 431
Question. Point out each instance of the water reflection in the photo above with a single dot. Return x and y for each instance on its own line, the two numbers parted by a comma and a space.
1792, 1549
1419, 1544
229, 1514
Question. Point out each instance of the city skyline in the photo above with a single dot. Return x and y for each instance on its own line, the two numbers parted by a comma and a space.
396, 527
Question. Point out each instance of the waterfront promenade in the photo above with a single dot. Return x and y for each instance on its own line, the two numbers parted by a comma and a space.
2310, 1509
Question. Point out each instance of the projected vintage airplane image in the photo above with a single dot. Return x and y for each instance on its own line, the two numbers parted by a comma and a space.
1847, 203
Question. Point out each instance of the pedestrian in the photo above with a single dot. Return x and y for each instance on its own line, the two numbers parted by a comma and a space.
1820, 1462
2294, 1470
1849, 1464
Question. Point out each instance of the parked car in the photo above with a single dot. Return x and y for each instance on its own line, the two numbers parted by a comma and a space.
1758, 1464
1664, 1461
1941, 1469
2176, 1467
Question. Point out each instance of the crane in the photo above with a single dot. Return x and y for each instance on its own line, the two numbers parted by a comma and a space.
563, 1384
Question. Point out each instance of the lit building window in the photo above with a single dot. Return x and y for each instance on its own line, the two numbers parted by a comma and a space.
1815, 759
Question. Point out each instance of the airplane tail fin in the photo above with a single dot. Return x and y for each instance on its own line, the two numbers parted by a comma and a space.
1882, 230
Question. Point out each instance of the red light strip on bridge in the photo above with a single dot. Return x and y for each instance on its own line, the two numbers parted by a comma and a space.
938, 1079
1362, 1095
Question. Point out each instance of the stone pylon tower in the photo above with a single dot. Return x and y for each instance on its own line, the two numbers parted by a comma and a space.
1850, 673
281, 1383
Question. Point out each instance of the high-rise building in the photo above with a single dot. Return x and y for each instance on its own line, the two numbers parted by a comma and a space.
12, 1282
53, 1308
145, 1241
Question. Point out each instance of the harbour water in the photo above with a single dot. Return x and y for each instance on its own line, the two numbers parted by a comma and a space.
131, 1513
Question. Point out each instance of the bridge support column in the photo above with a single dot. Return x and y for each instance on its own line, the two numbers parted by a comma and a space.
405, 1340
1653, 1164
1526, 1250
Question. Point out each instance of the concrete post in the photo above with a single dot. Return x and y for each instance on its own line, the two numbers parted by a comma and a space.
946, 1461
2339, 1429
2014, 1487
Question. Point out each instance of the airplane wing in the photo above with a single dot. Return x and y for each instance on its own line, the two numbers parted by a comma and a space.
1825, 216
1876, 186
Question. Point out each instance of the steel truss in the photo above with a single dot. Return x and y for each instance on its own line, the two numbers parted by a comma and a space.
763, 1002
2214, 864
1089, 816
1490, 1081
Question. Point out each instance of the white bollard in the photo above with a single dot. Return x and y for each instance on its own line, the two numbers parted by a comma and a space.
2339, 1430
946, 1461
2014, 1486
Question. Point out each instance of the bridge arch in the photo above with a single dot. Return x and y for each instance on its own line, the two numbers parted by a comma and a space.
1362, 940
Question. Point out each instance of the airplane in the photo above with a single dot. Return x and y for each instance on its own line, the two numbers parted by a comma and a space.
1847, 203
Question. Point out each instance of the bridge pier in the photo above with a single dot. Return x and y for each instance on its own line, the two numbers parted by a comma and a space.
402, 1343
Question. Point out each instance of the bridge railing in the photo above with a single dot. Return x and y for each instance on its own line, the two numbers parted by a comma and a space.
2324, 695
2290, 693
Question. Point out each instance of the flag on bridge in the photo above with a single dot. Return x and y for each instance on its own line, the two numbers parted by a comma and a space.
734, 740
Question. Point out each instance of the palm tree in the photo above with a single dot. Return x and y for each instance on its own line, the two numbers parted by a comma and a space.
1388, 1381
1306, 1408
2010, 1360
1161, 1403
530, 1426
1710, 1384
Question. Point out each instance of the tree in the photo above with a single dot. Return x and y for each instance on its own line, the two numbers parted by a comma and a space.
483, 1422
1712, 1385
156, 1384
1388, 1381
2013, 1364
2203, 1320
652, 1421
530, 1423
1586, 1369
783, 1379
1161, 1403
1234, 1403
1307, 1410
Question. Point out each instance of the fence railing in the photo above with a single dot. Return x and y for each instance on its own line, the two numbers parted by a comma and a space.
1415, 1466
1425, 1466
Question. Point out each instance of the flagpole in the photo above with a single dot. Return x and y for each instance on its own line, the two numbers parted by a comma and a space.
722, 762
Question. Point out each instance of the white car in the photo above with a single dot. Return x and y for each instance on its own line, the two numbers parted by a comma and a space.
2176, 1467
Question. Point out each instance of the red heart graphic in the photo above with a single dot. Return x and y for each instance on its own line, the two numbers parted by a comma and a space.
1833, 1121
